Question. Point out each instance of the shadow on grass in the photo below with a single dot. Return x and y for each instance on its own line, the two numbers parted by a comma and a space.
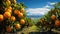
48, 32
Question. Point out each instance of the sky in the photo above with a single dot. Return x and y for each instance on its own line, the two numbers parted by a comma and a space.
38, 7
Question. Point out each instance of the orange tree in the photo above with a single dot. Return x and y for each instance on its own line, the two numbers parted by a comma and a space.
51, 19
12, 16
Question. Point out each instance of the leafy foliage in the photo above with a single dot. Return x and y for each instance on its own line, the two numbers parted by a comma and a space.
7, 8
48, 22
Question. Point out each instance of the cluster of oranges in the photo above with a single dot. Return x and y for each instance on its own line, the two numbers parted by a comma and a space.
8, 15
9, 2
11, 14
18, 13
9, 29
52, 18
57, 21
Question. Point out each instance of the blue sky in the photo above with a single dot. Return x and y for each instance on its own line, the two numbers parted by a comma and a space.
38, 7
36, 3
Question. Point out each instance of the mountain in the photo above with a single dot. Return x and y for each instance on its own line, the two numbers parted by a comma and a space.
34, 16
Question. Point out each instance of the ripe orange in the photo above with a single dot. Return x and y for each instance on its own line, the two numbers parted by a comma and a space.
22, 10
7, 14
53, 17
1, 17
9, 10
10, 7
20, 15
22, 21
16, 12
13, 18
8, 29
57, 23
8, 2
17, 26
14, 1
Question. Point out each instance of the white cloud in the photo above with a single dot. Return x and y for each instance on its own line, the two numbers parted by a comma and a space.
47, 6
52, 3
37, 11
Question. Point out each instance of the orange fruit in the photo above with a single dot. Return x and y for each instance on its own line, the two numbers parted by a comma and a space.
10, 7
14, 1
22, 21
53, 17
8, 2
17, 26
9, 10
13, 18
8, 29
20, 15
57, 23
22, 10
7, 14
1, 17
16, 12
